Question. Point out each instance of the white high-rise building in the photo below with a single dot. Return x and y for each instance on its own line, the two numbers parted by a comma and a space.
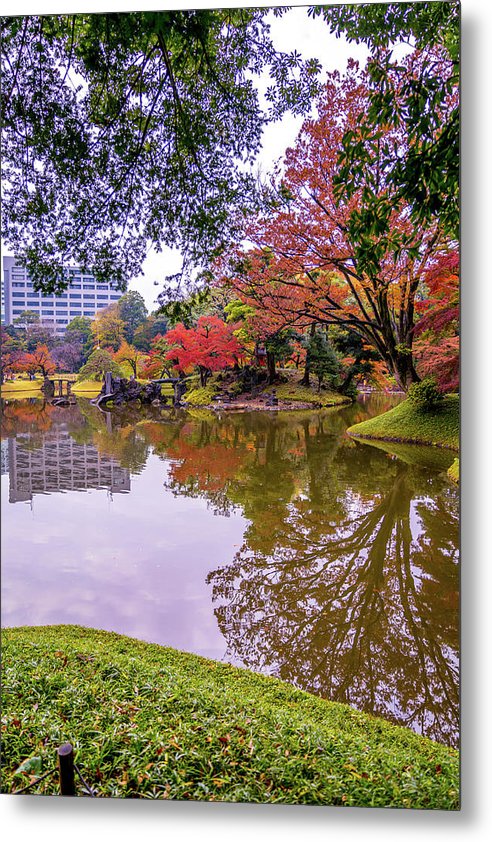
84, 297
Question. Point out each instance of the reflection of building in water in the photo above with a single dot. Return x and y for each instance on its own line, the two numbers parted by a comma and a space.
4, 457
60, 464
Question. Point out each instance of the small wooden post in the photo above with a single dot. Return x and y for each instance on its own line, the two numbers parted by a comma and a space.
66, 769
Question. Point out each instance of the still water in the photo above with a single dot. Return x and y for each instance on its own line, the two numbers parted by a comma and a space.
268, 540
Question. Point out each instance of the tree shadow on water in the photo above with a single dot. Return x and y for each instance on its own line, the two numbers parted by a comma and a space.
363, 610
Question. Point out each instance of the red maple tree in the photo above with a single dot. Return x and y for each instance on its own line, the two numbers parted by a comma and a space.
210, 346
436, 343
304, 264
39, 360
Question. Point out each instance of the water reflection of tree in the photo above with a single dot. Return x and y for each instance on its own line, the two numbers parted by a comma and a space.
30, 416
116, 435
346, 583
363, 610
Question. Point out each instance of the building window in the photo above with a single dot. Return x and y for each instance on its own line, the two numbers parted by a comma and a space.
75, 286
47, 312
86, 297
62, 312
115, 297
18, 285
102, 297
17, 312
18, 294
62, 321
89, 286
88, 312
77, 295
32, 295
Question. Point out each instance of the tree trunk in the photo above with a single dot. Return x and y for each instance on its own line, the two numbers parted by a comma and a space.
403, 369
270, 359
307, 366
204, 375
307, 370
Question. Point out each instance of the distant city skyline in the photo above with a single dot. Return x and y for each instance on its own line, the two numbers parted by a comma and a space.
83, 297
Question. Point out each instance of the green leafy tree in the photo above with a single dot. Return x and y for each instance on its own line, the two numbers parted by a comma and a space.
79, 332
132, 312
426, 173
147, 147
99, 362
278, 348
27, 318
33, 332
324, 362
360, 358
154, 325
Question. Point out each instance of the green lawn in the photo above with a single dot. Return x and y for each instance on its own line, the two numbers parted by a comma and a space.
92, 387
406, 423
293, 391
22, 388
148, 721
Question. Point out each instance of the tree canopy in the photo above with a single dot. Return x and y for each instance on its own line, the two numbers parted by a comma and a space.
426, 173
122, 129
133, 312
305, 263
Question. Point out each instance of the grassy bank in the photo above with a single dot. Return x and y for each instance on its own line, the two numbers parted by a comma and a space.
407, 423
147, 721
454, 472
290, 394
294, 392
87, 387
21, 389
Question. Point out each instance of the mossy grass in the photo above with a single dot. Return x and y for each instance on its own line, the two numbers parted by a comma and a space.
424, 455
293, 391
92, 387
407, 423
201, 395
148, 721
454, 471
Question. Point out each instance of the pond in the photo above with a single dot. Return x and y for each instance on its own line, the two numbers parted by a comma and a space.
269, 540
